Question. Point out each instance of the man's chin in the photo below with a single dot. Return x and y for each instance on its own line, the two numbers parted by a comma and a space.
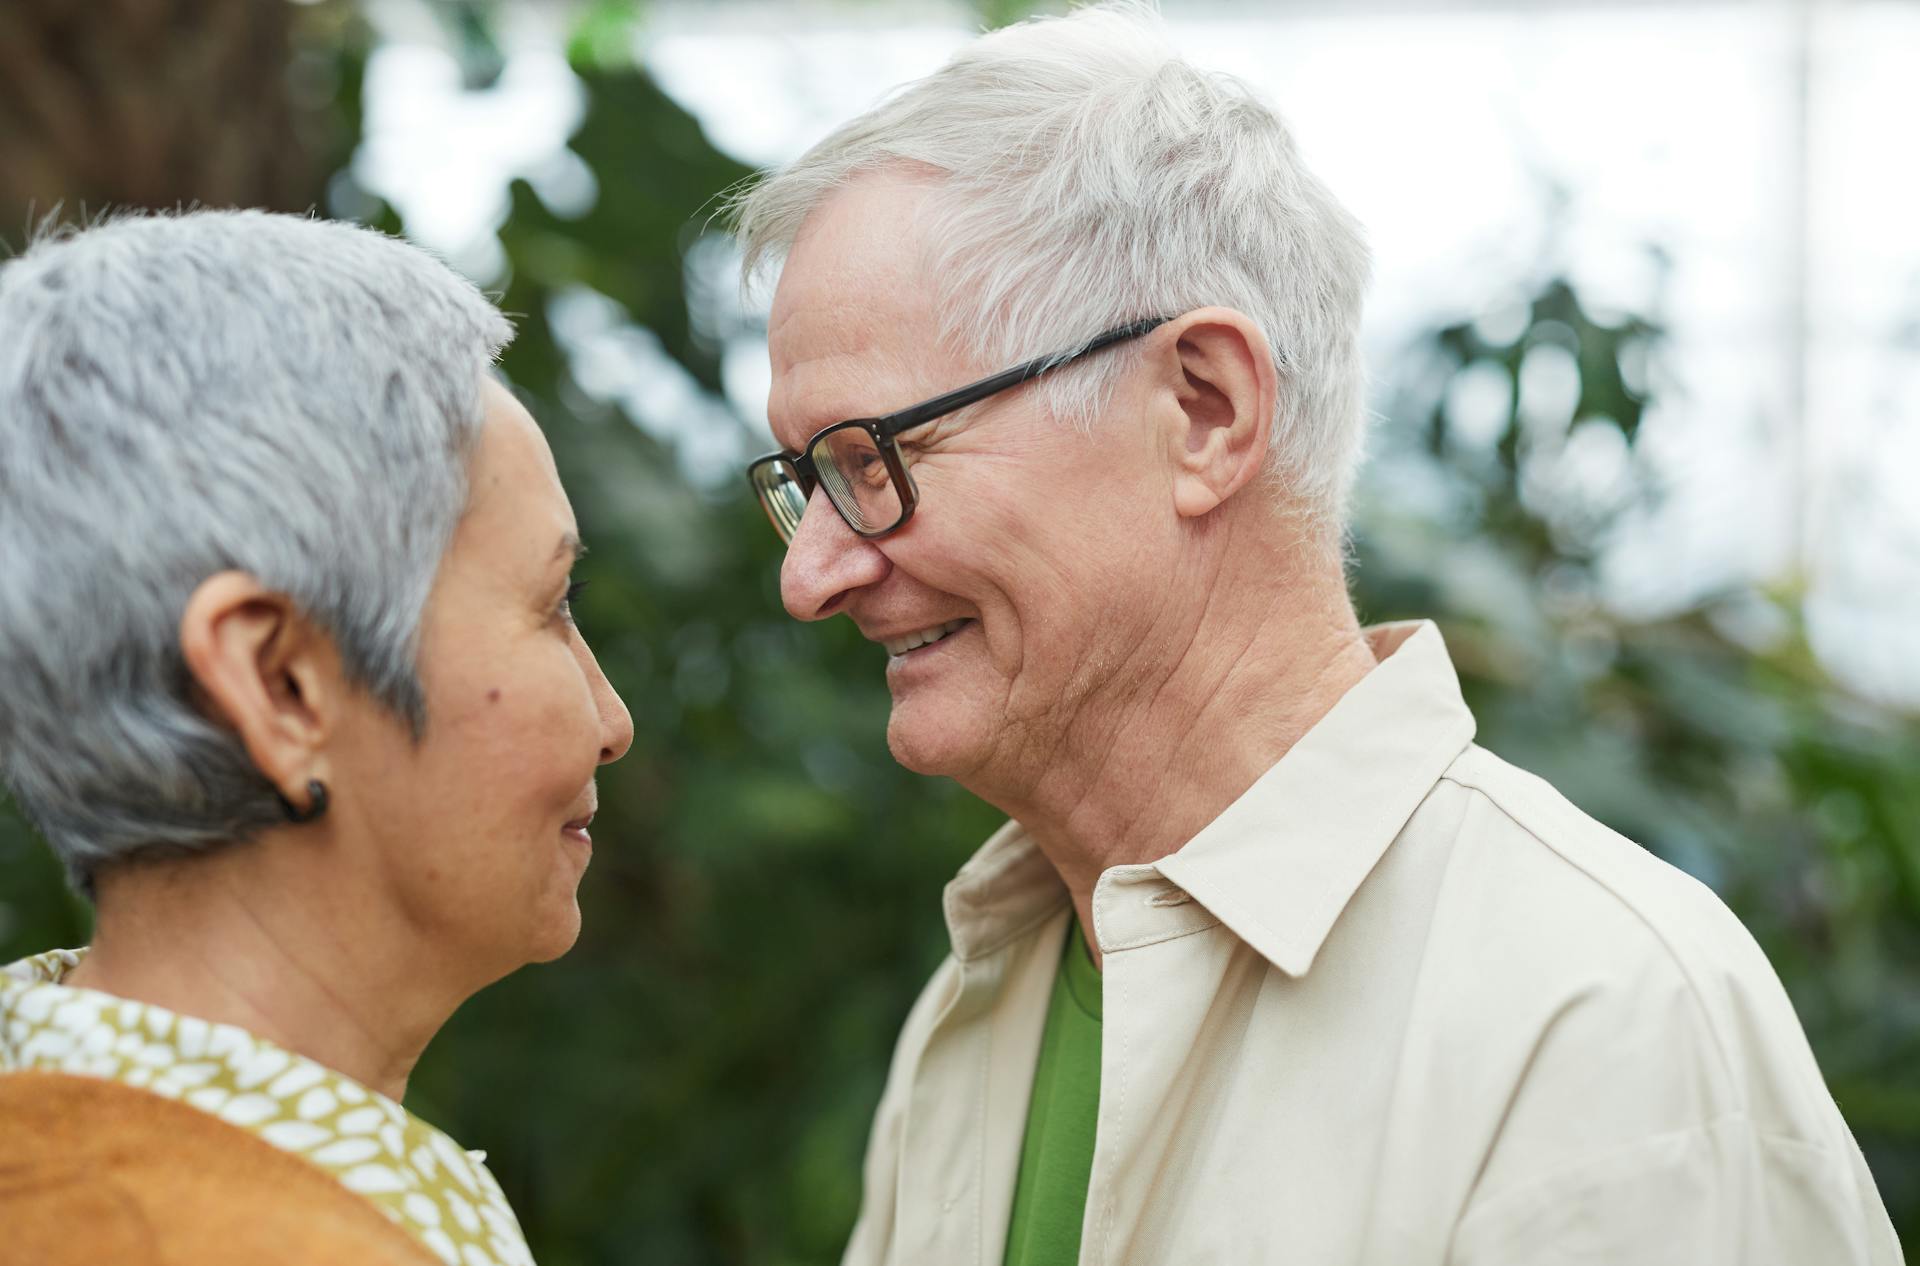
929, 744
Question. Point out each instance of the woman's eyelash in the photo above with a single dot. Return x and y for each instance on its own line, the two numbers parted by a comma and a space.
574, 591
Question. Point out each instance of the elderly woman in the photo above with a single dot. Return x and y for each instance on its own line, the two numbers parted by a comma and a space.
291, 685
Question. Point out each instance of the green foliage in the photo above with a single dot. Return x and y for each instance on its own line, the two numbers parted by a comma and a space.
693, 1083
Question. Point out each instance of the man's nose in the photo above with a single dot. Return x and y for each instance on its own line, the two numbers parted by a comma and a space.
826, 562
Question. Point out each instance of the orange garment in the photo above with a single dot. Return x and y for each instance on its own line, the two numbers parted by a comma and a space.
95, 1172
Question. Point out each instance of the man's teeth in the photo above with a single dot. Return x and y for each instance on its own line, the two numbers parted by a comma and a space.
925, 637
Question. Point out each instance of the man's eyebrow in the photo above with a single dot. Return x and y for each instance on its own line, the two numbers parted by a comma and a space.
569, 545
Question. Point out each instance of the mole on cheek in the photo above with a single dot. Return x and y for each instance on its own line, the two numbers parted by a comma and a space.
493, 695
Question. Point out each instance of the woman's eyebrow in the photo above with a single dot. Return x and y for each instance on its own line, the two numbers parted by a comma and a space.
570, 547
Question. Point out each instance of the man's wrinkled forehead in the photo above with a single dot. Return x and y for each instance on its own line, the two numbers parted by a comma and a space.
855, 265
853, 318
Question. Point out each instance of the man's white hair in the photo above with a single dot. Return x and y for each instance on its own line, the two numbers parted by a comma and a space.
1087, 177
183, 395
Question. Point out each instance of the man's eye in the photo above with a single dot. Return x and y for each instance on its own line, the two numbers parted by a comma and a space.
574, 590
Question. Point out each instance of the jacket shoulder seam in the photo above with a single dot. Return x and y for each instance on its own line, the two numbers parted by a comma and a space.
1519, 818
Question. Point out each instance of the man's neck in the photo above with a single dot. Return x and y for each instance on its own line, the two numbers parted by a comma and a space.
197, 937
1132, 778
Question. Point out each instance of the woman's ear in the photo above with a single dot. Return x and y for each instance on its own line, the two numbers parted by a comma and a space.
1225, 387
264, 671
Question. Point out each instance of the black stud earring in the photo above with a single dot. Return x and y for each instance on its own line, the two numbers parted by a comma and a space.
316, 793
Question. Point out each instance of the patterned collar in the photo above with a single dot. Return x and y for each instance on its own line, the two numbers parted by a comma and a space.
412, 1172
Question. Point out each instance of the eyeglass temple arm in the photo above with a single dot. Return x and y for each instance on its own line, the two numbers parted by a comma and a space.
961, 397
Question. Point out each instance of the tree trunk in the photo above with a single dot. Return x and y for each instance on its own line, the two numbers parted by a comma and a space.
152, 103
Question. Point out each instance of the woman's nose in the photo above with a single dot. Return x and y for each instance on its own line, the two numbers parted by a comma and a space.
616, 723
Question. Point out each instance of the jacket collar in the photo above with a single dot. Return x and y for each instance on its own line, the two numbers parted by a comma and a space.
1004, 889
1280, 864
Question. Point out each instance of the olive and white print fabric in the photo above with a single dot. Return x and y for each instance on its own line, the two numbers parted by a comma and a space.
372, 1145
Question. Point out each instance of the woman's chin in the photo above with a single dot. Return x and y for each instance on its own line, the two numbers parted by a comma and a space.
557, 935
558, 924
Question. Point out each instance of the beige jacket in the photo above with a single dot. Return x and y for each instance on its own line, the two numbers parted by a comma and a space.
1400, 1004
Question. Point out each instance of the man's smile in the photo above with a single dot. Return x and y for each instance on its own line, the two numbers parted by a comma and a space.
908, 642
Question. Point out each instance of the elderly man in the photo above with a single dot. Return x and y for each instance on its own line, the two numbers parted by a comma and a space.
1271, 963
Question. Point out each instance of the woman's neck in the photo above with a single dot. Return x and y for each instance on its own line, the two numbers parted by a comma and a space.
209, 936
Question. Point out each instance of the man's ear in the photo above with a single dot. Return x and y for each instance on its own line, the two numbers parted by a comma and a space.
1225, 388
264, 671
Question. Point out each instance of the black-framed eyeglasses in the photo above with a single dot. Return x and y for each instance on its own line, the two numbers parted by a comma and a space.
859, 463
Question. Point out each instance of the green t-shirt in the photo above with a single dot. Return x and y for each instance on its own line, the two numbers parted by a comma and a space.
1050, 1198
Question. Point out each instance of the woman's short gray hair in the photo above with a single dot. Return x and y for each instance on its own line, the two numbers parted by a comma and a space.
1090, 177
186, 394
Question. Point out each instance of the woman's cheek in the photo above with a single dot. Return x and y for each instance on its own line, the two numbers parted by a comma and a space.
562, 725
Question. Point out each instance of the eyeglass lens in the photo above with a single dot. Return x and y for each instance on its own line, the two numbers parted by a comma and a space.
781, 495
855, 474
